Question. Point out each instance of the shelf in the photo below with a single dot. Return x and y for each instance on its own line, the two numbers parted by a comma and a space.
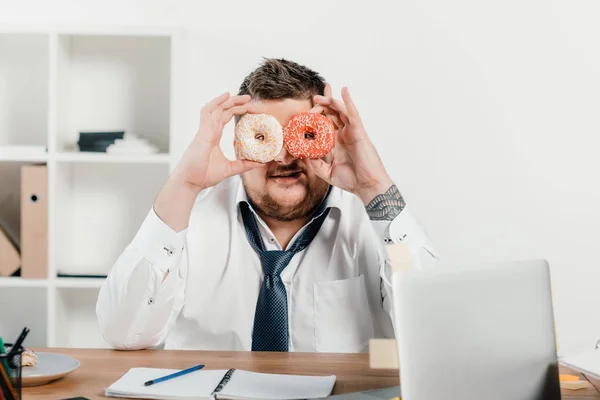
23, 158
74, 283
66, 283
20, 282
83, 157
10, 155
70, 29
22, 154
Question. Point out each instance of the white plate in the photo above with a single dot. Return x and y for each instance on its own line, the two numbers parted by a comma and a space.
50, 367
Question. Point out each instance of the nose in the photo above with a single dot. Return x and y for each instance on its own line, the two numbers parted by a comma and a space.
284, 157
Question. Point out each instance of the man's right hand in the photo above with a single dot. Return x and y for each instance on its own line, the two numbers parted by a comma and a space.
203, 164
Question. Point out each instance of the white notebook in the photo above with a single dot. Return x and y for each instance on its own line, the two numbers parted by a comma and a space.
220, 384
586, 363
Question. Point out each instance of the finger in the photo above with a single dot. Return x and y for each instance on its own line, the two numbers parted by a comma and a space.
214, 103
327, 93
334, 117
335, 105
240, 166
331, 115
350, 106
331, 102
235, 100
321, 168
228, 114
317, 109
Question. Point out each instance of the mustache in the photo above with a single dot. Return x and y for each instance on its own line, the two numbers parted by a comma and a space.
285, 169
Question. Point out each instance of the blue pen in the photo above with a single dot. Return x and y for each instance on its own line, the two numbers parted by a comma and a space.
174, 375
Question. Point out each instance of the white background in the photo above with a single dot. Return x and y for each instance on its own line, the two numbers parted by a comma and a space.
487, 114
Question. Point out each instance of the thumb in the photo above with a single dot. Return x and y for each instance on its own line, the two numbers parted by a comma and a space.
321, 168
240, 166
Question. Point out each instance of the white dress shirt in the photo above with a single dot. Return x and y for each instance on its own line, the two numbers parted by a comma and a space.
337, 288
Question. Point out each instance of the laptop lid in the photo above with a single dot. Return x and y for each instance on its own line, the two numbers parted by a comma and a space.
476, 332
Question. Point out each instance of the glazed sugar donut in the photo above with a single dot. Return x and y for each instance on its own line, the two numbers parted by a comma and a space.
258, 137
309, 135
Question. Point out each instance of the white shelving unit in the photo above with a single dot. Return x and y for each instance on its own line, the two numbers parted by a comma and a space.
54, 83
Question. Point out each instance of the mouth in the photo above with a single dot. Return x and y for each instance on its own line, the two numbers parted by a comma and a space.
287, 176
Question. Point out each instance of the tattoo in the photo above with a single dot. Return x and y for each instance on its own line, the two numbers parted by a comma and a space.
386, 206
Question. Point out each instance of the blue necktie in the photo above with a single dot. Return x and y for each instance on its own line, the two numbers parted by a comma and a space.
270, 331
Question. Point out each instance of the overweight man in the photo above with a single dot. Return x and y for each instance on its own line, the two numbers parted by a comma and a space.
283, 256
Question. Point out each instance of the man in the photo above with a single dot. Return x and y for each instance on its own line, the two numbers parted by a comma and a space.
283, 256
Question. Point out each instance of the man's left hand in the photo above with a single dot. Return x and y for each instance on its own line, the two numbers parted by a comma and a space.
353, 164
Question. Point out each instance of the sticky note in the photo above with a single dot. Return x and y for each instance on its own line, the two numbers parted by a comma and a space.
383, 354
568, 378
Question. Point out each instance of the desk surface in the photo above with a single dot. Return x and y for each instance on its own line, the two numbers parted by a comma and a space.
100, 368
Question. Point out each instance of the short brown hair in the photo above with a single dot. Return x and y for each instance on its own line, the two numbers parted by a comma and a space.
277, 79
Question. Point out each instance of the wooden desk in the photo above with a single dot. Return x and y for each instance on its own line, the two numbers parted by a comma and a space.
100, 368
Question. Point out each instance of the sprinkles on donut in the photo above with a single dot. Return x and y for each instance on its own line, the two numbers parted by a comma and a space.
258, 137
309, 135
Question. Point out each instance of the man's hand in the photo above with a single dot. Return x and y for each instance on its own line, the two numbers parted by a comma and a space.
203, 164
353, 164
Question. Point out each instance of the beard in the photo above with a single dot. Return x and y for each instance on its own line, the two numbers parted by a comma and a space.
315, 190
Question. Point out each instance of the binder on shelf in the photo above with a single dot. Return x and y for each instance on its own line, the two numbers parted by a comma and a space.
34, 221
10, 259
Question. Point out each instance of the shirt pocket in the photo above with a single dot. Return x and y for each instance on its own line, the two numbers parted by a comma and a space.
343, 322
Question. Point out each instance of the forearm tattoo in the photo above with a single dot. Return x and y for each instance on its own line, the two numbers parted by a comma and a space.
386, 206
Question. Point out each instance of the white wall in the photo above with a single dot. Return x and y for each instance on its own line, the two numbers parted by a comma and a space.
487, 114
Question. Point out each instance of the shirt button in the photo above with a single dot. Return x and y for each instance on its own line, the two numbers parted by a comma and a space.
387, 240
272, 239
168, 250
150, 301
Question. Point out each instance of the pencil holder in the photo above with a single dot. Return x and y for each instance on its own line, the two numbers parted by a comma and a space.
10, 375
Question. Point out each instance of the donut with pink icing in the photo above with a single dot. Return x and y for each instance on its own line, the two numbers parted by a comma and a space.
309, 135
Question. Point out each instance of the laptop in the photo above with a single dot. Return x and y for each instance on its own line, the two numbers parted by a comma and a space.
477, 332
474, 332
379, 394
